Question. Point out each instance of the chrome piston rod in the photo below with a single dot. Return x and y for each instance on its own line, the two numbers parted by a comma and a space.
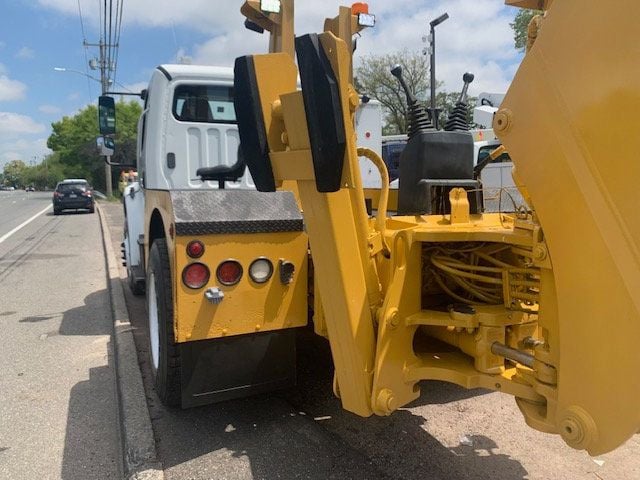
512, 354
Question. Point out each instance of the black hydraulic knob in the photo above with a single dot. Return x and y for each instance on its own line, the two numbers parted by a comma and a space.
458, 118
418, 120
397, 72
467, 78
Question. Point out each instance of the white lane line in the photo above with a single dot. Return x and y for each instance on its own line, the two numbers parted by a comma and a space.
23, 224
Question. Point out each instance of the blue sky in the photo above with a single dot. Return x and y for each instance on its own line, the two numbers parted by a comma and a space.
38, 35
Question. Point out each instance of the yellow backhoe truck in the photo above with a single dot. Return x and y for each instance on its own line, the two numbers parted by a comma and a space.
543, 304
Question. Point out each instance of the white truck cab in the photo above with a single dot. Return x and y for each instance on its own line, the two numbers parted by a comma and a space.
200, 131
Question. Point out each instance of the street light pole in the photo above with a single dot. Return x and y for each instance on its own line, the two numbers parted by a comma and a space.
435, 112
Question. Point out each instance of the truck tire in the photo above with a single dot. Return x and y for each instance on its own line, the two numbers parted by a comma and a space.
164, 353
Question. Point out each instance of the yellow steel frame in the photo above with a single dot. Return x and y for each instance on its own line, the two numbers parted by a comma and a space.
573, 318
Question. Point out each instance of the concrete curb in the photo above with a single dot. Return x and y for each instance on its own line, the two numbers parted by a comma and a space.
139, 458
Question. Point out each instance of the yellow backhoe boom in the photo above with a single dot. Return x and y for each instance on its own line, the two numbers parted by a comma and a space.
542, 304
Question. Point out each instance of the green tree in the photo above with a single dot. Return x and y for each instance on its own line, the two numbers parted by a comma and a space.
46, 174
14, 173
73, 139
520, 26
373, 78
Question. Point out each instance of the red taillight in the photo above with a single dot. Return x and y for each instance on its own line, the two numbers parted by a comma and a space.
195, 249
57, 194
195, 275
86, 194
229, 272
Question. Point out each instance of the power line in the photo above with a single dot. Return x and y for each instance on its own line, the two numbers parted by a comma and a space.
118, 29
110, 43
86, 58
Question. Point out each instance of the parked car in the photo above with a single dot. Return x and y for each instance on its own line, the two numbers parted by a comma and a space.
30, 188
73, 194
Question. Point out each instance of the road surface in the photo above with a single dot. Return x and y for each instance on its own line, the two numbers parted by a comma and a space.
448, 433
57, 396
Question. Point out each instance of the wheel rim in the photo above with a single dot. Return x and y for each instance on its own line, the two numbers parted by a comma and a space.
154, 337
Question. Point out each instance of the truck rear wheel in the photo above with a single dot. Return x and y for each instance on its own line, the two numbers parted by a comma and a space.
164, 353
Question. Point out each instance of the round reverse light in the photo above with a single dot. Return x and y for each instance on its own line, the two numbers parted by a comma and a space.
229, 272
195, 248
261, 270
195, 275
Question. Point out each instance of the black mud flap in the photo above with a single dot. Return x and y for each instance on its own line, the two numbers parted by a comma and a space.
234, 367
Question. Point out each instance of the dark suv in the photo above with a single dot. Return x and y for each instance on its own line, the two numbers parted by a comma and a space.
73, 194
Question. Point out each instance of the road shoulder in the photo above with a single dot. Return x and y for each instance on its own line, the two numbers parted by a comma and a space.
136, 433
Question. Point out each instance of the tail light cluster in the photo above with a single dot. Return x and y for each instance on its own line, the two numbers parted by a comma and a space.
229, 272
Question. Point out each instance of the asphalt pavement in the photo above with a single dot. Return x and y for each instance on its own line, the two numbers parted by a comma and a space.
58, 405
448, 433
57, 396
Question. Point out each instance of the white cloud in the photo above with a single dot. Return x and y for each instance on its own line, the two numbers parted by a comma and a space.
223, 49
476, 38
11, 90
25, 150
49, 109
25, 53
14, 123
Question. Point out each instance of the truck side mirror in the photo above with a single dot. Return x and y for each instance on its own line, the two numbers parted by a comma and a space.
106, 146
107, 115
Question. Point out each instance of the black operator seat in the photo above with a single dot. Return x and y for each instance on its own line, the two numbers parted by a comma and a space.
224, 173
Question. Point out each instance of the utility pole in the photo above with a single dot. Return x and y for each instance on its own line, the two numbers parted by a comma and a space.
104, 67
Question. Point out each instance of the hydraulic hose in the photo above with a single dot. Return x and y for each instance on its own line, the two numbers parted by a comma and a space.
381, 214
